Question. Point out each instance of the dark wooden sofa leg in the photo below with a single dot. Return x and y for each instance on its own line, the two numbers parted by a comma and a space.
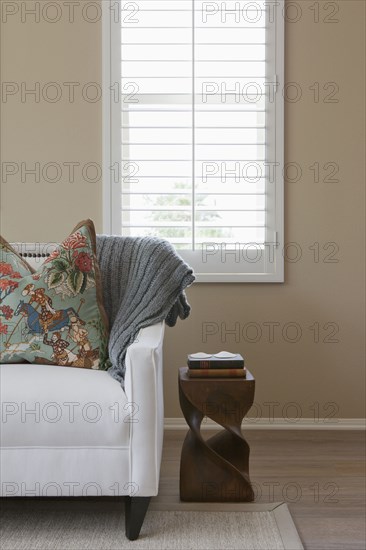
135, 509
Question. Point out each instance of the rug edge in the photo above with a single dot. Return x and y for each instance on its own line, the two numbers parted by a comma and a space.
287, 528
177, 505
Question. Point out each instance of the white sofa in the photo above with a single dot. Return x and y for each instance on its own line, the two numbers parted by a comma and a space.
75, 432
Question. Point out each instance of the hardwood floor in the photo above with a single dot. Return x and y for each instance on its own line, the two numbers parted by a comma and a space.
319, 474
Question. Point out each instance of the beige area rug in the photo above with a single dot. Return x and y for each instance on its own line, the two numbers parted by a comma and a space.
99, 525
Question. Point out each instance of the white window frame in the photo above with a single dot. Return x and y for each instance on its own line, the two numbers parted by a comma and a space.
225, 267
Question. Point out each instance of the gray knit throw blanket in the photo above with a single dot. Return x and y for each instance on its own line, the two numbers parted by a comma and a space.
143, 281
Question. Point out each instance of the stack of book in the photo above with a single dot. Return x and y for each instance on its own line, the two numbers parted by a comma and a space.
218, 365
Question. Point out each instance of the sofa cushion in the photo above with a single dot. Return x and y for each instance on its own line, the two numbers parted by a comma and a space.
54, 315
44, 405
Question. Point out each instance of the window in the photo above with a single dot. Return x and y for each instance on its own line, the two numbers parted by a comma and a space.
193, 131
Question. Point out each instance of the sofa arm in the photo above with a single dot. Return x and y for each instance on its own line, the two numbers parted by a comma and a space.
144, 391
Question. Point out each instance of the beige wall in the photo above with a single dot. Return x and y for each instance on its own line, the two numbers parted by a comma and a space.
304, 372
44, 132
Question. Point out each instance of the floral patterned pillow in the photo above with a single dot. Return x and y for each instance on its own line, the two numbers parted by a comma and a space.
54, 315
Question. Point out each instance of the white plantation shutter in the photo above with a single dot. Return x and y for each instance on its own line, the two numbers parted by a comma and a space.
194, 142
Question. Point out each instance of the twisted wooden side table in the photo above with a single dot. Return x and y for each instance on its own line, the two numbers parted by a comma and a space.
216, 469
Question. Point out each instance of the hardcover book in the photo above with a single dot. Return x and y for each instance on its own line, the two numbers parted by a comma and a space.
222, 360
217, 373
